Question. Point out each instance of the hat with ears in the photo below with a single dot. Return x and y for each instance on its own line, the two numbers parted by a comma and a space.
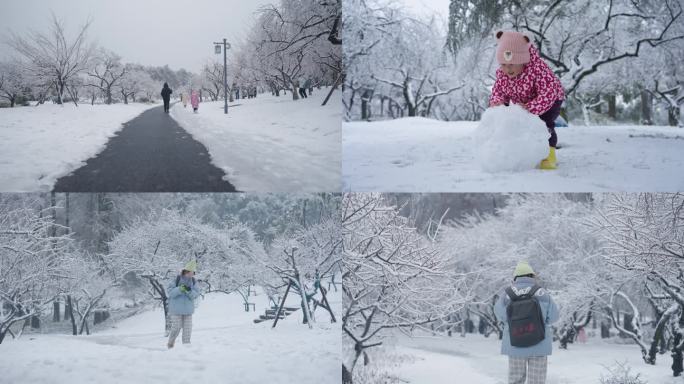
512, 48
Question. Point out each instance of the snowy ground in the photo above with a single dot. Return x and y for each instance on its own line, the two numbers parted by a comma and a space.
272, 143
475, 359
423, 155
226, 347
40, 144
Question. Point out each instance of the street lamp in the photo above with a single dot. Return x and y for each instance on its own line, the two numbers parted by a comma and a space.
217, 50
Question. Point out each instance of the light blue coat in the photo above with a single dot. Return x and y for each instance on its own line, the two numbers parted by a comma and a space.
181, 303
549, 310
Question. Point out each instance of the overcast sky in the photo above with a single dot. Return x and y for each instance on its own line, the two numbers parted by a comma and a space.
429, 7
149, 32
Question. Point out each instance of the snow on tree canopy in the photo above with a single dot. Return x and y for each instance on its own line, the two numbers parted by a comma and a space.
510, 139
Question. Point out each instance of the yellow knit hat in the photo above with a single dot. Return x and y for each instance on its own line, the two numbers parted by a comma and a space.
523, 269
191, 266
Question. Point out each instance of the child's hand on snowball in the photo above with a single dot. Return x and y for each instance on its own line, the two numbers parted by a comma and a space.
495, 104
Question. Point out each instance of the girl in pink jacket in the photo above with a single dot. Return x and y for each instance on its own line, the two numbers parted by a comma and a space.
194, 100
525, 79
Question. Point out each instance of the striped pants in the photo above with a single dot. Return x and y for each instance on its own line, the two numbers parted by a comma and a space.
178, 322
532, 369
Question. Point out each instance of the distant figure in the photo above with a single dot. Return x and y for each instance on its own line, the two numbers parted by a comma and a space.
307, 85
302, 89
166, 96
582, 336
194, 100
182, 293
184, 100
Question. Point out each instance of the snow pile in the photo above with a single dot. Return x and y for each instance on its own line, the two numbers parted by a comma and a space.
226, 347
40, 144
510, 139
428, 359
424, 155
272, 143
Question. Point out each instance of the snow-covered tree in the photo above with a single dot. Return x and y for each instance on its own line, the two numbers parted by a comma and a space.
106, 73
393, 277
291, 40
31, 260
302, 259
12, 82
644, 235
53, 57
136, 82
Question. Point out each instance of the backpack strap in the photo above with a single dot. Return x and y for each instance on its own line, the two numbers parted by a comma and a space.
534, 290
513, 296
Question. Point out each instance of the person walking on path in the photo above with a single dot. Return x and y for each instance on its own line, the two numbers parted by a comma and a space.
182, 293
527, 312
194, 100
166, 96
184, 100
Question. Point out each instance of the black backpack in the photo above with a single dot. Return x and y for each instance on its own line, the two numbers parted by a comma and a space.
525, 320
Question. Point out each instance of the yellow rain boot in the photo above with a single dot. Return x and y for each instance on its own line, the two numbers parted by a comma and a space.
550, 161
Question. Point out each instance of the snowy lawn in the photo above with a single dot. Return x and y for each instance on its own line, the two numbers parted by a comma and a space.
272, 143
226, 347
475, 359
40, 144
423, 155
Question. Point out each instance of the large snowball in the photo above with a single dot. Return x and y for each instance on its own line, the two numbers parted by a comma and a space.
510, 139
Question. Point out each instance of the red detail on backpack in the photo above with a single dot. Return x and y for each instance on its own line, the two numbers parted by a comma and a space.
524, 330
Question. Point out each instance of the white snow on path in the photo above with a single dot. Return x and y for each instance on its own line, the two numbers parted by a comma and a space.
272, 143
475, 359
424, 155
226, 347
40, 144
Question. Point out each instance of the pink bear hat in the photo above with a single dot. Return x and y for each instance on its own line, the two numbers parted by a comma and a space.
513, 48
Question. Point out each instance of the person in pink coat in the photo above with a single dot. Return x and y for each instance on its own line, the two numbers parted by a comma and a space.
523, 78
194, 100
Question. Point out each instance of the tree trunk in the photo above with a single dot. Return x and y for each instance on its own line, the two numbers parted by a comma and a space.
60, 92
53, 212
66, 212
55, 312
305, 302
673, 116
71, 316
295, 91
605, 330
646, 108
612, 111
659, 333
346, 375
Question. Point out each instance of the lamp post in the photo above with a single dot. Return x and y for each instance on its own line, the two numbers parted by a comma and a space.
217, 49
